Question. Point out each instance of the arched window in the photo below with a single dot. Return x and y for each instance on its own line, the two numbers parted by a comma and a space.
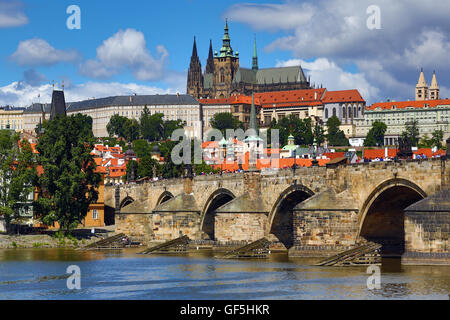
349, 112
222, 75
326, 113
344, 112
355, 112
334, 112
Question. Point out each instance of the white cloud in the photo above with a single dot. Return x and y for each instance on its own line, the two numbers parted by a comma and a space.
272, 17
11, 14
332, 77
413, 34
38, 52
22, 94
126, 50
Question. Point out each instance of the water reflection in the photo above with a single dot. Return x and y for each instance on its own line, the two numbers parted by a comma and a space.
40, 274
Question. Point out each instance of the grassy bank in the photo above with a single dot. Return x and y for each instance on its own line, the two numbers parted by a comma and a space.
55, 240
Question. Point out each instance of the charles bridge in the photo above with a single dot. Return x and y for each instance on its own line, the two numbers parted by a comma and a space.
315, 211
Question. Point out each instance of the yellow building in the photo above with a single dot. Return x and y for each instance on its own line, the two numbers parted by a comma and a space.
11, 118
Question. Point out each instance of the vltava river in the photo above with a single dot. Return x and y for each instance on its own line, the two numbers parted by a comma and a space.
41, 274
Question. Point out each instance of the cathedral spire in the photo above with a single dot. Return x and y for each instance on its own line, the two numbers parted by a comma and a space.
210, 61
195, 77
255, 58
194, 49
226, 49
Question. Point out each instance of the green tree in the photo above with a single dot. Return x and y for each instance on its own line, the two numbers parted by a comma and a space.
412, 133
319, 134
170, 126
131, 129
375, 136
116, 126
152, 126
17, 176
335, 136
141, 148
68, 184
425, 142
225, 120
437, 138
147, 166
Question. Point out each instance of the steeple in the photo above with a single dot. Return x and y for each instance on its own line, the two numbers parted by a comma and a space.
194, 50
210, 61
255, 58
226, 49
434, 88
421, 87
253, 124
195, 76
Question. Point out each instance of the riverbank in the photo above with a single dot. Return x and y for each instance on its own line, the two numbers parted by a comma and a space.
44, 241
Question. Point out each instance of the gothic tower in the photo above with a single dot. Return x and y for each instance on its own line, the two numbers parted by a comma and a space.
421, 88
195, 77
434, 88
210, 61
226, 65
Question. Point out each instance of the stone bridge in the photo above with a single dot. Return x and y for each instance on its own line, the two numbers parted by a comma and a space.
314, 211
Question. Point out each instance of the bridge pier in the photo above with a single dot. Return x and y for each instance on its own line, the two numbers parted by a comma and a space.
325, 224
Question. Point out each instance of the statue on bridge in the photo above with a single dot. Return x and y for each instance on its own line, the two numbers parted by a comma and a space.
405, 148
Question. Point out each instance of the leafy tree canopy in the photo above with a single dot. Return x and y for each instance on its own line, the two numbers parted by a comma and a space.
17, 175
68, 184
335, 136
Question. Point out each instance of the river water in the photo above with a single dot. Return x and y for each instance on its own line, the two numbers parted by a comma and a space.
41, 274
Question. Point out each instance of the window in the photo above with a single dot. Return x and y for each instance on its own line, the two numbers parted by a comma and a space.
355, 112
344, 112
349, 112
334, 112
95, 214
326, 113
222, 75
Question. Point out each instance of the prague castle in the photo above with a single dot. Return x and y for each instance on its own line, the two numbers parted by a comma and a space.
224, 77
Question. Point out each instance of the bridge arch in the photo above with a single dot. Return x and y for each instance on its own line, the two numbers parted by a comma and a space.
382, 214
280, 220
217, 199
128, 200
165, 196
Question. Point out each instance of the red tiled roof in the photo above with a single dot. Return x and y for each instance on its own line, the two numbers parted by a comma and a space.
334, 155
380, 153
237, 99
342, 96
405, 104
268, 163
287, 98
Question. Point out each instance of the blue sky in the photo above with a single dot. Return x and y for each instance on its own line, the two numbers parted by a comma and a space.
144, 47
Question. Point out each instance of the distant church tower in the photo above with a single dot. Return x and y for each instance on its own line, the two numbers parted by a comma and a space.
226, 64
421, 88
195, 76
255, 58
210, 61
434, 88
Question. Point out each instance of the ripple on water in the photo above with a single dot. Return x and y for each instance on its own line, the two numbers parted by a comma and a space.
41, 274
